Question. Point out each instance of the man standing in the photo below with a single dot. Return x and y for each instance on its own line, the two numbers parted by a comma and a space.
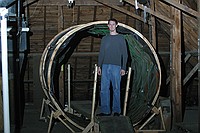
112, 65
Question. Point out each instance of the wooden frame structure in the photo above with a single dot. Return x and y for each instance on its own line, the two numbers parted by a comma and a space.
47, 69
155, 111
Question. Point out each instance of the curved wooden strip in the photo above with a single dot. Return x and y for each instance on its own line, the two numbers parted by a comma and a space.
43, 58
60, 42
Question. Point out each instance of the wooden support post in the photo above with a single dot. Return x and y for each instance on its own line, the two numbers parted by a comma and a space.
153, 26
91, 124
61, 86
155, 112
69, 87
44, 26
60, 19
127, 91
175, 66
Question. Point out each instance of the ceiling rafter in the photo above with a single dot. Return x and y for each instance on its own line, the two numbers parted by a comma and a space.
182, 8
152, 12
120, 9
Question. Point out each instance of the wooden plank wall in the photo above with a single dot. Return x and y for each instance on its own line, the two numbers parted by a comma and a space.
50, 17
48, 20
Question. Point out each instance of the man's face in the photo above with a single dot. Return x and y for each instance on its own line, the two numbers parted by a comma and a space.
112, 26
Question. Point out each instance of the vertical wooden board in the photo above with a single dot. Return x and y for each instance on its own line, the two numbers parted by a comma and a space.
51, 10
37, 92
153, 26
51, 28
131, 20
163, 8
119, 16
84, 45
86, 13
70, 16
60, 19
36, 11
163, 43
36, 19
102, 13
96, 44
176, 84
61, 87
190, 29
82, 68
145, 31
37, 46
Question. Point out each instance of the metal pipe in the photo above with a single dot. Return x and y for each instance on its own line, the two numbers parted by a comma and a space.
4, 56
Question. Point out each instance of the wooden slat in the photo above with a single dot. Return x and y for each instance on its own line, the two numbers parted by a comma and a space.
175, 71
156, 14
190, 28
182, 7
62, 86
191, 73
153, 26
121, 10
185, 60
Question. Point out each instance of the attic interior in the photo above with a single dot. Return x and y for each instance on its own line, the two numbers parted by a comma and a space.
169, 29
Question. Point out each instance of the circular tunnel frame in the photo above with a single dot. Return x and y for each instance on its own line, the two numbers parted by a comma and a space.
47, 60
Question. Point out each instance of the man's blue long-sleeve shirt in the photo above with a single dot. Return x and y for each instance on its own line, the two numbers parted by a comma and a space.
113, 51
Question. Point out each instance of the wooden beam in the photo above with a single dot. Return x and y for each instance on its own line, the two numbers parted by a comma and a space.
122, 10
182, 7
85, 54
185, 60
152, 12
187, 57
62, 86
77, 2
92, 2
153, 25
29, 2
175, 66
44, 26
60, 19
187, 78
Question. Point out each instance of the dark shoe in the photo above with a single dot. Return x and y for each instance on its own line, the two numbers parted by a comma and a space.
103, 114
116, 114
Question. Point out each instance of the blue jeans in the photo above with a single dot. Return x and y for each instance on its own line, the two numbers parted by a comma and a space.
110, 73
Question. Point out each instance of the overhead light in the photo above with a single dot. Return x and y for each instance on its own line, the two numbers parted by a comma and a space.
71, 3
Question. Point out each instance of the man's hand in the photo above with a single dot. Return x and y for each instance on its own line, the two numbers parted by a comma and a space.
122, 72
99, 71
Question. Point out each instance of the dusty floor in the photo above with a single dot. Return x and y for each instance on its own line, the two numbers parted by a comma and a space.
32, 124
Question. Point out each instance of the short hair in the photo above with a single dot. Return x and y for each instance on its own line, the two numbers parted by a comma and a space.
112, 19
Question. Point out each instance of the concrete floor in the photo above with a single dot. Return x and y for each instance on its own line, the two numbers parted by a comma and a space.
190, 121
32, 124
